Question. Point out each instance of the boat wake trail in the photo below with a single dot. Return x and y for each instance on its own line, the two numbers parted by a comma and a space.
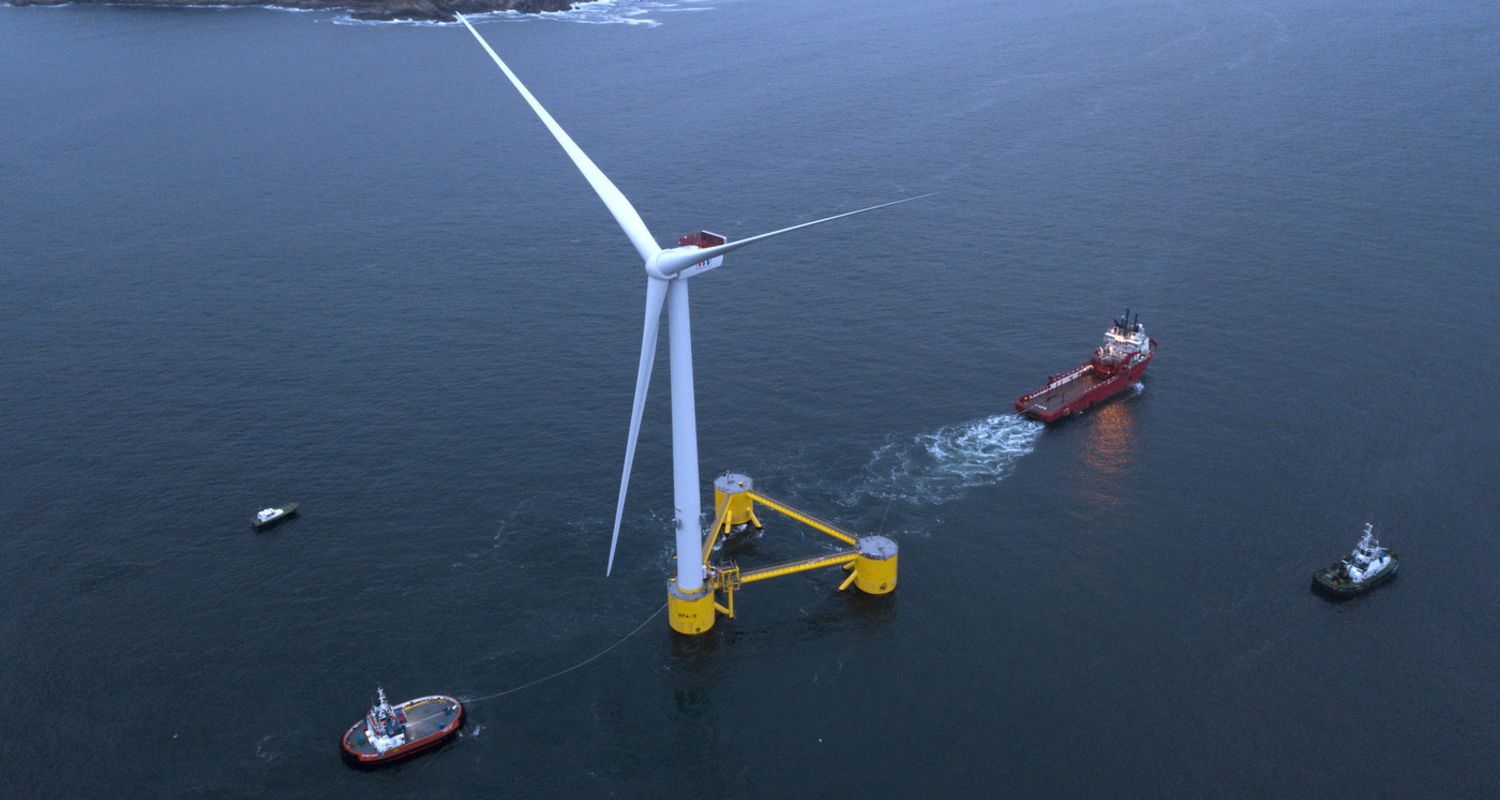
943, 465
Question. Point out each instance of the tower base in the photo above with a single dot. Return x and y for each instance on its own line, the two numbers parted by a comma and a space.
690, 613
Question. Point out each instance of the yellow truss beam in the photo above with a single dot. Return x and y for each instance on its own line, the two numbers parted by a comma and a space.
806, 519
800, 565
713, 536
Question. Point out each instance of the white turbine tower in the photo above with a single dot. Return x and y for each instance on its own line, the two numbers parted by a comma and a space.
667, 272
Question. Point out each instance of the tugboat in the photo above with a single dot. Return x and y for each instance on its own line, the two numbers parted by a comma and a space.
267, 517
389, 733
1117, 363
1367, 567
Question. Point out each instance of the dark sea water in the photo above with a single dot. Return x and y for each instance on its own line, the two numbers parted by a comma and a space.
250, 256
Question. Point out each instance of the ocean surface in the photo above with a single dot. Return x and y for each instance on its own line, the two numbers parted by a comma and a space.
250, 256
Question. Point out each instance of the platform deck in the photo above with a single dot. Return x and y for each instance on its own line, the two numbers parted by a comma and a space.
1060, 396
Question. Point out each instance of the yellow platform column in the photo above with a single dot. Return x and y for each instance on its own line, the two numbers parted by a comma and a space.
733, 488
875, 567
690, 613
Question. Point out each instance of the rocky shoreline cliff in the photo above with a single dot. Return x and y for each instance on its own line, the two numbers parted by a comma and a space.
437, 10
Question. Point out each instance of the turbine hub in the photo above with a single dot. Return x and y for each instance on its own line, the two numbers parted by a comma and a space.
676, 261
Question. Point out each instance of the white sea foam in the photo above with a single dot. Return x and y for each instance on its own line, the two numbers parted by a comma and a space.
266, 749
943, 465
598, 12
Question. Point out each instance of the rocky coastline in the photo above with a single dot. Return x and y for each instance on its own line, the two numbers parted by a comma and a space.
435, 10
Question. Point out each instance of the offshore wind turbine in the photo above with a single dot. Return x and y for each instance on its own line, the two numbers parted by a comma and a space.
667, 273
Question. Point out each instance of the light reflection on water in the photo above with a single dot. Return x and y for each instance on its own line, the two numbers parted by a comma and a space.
1110, 450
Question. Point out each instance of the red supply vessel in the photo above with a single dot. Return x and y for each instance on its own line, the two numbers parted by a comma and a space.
1117, 364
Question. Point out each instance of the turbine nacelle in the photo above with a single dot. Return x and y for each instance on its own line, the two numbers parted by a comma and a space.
687, 260
668, 264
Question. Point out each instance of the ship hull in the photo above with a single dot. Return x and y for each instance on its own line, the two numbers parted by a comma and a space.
1323, 581
431, 721
1083, 388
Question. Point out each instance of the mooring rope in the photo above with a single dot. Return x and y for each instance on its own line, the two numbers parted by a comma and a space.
580, 664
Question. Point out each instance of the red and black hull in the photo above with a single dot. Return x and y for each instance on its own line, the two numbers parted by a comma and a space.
1080, 389
1326, 580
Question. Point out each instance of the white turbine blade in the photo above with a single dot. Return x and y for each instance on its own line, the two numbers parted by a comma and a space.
671, 263
656, 293
624, 213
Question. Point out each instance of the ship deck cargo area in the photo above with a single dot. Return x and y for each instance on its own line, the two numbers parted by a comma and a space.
423, 718
1059, 396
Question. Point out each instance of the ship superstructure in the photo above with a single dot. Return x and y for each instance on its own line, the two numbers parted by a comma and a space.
1117, 363
1366, 567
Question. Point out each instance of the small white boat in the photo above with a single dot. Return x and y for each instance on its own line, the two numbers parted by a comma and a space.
267, 517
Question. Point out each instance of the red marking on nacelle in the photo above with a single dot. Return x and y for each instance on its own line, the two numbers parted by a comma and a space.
701, 239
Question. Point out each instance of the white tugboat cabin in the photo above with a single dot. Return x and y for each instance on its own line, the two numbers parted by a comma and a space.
1366, 567
385, 727
1368, 558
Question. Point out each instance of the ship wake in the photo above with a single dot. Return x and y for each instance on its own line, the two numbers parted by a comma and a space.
943, 465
